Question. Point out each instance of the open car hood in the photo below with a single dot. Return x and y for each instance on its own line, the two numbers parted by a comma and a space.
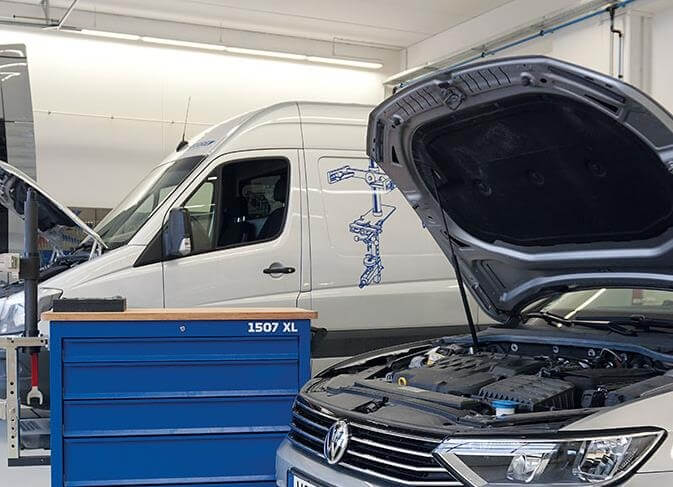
52, 215
541, 176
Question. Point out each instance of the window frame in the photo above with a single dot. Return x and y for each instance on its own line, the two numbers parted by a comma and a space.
218, 196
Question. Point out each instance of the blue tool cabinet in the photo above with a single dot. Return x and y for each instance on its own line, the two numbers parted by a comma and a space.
174, 397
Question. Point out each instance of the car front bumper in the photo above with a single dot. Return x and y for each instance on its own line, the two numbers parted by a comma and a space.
290, 458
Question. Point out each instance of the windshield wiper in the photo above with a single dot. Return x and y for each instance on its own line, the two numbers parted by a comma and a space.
641, 322
557, 321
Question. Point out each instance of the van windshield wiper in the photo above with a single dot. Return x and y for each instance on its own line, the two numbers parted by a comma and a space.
616, 325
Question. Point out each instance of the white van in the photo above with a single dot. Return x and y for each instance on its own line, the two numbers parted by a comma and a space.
277, 207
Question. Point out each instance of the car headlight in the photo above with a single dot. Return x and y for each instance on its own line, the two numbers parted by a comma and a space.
12, 317
582, 460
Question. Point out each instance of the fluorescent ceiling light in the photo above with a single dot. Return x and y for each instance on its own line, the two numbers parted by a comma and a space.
259, 52
409, 74
193, 45
345, 62
235, 50
111, 35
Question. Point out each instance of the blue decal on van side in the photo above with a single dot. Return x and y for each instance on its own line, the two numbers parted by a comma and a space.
368, 227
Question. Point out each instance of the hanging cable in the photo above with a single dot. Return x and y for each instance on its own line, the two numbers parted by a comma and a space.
620, 35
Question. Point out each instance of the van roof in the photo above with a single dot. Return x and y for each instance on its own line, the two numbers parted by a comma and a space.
296, 124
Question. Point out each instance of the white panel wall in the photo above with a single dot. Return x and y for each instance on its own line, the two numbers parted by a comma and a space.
662, 57
103, 108
586, 43
510, 16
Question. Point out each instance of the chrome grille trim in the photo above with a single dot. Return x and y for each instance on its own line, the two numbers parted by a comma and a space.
371, 428
420, 483
438, 483
308, 435
308, 421
427, 439
391, 448
369, 457
395, 464
316, 411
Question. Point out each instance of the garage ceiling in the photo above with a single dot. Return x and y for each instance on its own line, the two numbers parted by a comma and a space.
398, 23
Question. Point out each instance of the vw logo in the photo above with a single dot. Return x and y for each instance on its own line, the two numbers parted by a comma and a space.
336, 442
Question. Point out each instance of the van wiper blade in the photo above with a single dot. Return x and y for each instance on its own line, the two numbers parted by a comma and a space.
559, 321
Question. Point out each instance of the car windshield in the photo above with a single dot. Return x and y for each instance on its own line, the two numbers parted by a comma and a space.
609, 303
122, 223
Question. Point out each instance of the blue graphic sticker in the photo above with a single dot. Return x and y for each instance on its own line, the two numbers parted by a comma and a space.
367, 228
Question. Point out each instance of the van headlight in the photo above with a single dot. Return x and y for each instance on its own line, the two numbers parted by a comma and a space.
12, 317
579, 461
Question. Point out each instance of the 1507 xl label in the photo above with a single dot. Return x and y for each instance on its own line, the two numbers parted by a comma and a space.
272, 327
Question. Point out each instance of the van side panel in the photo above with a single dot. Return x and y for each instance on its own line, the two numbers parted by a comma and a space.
377, 276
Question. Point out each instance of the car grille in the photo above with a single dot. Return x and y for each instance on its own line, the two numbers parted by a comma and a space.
395, 456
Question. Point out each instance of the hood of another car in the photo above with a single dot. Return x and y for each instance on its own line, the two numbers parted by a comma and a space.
536, 175
14, 185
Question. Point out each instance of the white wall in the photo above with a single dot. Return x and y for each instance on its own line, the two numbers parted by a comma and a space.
648, 30
662, 57
506, 18
647, 25
586, 44
87, 158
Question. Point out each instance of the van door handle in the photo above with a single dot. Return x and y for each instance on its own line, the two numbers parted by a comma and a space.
276, 268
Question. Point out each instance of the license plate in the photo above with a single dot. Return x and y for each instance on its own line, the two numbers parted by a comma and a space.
300, 482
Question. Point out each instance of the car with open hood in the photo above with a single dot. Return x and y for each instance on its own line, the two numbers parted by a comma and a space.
549, 187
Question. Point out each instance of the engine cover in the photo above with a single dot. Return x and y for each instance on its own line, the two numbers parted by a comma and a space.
531, 392
466, 374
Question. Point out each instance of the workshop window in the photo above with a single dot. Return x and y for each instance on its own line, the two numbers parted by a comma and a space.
239, 203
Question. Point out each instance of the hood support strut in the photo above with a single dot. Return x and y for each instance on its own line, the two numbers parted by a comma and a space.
456, 267
463, 297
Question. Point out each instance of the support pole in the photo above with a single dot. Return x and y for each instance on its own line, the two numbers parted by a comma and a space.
30, 265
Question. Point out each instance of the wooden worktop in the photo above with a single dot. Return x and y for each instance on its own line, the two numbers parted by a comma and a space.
170, 314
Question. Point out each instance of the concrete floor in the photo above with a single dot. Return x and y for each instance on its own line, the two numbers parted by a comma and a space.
20, 476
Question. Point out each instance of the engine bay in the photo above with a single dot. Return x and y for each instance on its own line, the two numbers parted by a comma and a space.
571, 378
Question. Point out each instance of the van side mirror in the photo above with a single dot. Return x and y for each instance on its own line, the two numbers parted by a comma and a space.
178, 233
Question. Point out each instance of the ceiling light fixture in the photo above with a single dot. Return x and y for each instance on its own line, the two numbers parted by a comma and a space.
235, 50
345, 62
259, 52
193, 45
110, 35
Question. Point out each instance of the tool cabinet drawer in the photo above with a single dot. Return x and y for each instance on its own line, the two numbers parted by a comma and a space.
167, 459
177, 379
135, 417
88, 350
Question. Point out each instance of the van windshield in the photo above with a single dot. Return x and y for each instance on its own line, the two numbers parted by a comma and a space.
122, 223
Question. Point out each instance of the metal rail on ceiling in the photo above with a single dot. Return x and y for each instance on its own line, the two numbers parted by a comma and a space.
509, 41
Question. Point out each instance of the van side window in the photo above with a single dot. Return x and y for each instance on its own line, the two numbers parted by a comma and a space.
239, 203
